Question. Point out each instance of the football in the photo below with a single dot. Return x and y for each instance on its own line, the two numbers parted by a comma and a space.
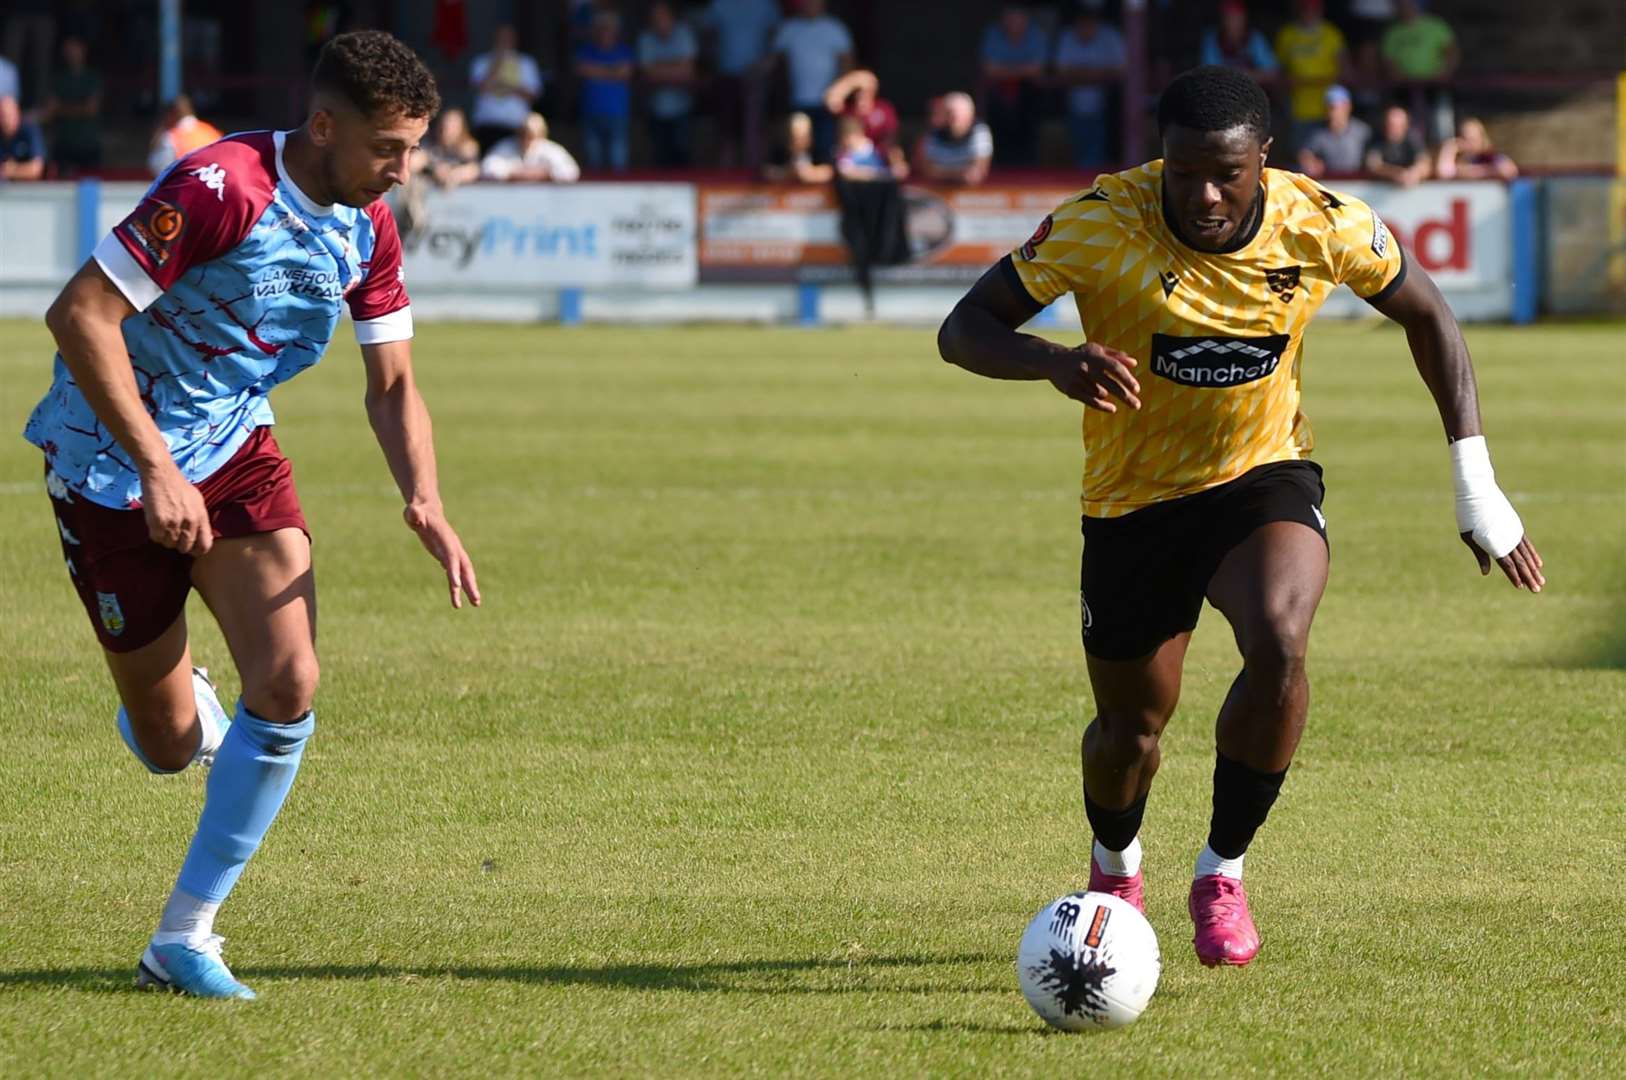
1088, 961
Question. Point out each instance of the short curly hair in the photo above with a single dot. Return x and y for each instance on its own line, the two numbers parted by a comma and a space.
1214, 98
377, 73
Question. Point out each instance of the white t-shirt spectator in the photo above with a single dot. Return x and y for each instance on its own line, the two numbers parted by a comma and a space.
506, 158
813, 49
947, 152
668, 101
743, 28
504, 110
1104, 50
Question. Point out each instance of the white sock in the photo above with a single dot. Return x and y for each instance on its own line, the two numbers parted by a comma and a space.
1208, 864
1125, 863
211, 719
185, 918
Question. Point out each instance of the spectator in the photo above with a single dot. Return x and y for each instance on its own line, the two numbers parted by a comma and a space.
791, 160
74, 112
605, 62
858, 157
1399, 155
741, 30
1421, 48
817, 49
1339, 145
1088, 53
857, 94
22, 147
959, 147
1013, 54
1366, 24
179, 133
1470, 155
507, 84
1234, 44
530, 155
10, 86
451, 155
1313, 56
666, 55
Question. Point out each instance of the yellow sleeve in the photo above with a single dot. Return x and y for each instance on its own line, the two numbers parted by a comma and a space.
1361, 250
1063, 252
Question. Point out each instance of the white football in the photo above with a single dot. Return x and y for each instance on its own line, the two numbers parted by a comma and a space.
1088, 961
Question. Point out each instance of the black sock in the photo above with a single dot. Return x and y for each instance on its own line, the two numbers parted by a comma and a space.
1242, 799
1115, 829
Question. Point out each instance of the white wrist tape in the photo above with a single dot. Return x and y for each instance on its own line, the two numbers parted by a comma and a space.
1482, 510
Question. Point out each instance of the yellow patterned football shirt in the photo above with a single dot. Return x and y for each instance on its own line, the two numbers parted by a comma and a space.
1217, 336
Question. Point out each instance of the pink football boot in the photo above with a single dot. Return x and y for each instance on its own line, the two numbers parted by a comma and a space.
1131, 890
1225, 930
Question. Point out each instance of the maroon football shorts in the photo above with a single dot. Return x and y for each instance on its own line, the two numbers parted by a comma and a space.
134, 589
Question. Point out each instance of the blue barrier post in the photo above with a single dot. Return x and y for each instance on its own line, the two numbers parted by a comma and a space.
1526, 250
88, 206
570, 307
807, 304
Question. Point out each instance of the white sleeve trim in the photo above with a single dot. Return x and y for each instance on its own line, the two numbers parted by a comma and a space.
396, 326
122, 269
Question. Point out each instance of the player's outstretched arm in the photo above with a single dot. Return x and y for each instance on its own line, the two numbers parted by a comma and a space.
401, 423
981, 335
1486, 519
85, 319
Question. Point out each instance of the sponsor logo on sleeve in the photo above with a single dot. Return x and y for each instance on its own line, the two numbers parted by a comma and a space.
213, 178
1216, 362
1380, 237
155, 232
1030, 250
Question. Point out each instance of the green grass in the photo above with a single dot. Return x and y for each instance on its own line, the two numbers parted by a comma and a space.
764, 747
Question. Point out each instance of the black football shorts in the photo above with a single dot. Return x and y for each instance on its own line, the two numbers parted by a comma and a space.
1144, 575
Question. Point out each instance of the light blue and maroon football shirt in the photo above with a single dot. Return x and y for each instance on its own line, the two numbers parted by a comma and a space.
238, 278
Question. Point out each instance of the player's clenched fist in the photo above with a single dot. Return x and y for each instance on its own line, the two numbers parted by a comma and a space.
1095, 374
176, 514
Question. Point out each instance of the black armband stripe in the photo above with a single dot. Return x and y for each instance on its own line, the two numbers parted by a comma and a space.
1394, 285
1007, 270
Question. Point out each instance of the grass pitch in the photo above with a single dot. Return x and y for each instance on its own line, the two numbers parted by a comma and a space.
764, 747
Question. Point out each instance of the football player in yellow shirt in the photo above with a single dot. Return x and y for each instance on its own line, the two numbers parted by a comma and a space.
1195, 277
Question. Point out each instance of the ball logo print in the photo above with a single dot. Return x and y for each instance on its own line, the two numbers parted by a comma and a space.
1088, 961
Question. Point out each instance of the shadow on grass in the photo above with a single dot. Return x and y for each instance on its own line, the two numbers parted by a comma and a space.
839, 975
1037, 1029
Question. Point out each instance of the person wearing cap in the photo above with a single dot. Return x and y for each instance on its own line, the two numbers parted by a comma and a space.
1339, 145
1088, 54
1313, 56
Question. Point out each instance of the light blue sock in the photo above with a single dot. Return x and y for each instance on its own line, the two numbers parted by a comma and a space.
135, 748
253, 770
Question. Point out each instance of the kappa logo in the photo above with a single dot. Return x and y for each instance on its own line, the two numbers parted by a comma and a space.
57, 488
112, 614
1169, 279
1283, 281
67, 533
213, 177
1216, 362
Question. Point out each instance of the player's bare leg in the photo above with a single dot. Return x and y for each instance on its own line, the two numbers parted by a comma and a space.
155, 686
262, 592
1133, 702
1268, 588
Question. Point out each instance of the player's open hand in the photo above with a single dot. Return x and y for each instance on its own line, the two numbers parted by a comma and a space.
1095, 374
1522, 565
176, 514
441, 541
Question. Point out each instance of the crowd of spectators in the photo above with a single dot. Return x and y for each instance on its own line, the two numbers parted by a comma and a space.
1342, 90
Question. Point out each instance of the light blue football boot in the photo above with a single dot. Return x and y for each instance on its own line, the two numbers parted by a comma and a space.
194, 968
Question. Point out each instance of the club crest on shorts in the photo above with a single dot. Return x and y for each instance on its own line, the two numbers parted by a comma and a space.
112, 614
